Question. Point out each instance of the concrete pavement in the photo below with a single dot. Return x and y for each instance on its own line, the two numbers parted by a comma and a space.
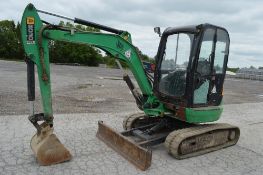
91, 156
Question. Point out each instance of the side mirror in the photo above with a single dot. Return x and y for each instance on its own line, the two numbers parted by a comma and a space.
158, 31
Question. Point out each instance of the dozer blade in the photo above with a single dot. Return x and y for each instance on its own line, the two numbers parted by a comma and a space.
137, 155
47, 147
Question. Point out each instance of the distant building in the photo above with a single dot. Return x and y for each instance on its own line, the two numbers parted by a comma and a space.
250, 73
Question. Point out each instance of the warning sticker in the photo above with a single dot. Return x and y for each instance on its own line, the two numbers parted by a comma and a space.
128, 54
30, 28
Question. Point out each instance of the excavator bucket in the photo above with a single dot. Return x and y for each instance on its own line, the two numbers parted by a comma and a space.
47, 147
137, 155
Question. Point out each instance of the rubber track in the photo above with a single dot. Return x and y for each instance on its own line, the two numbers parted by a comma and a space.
129, 120
175, 138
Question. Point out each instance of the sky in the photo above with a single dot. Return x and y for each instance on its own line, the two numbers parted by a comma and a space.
242, 18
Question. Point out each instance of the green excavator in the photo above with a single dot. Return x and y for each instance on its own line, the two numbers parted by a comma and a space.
178, 99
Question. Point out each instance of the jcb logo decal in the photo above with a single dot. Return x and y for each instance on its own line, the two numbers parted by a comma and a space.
30, 20
30, 28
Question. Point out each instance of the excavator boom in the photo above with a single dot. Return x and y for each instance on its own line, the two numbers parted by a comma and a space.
36, 36
181, 95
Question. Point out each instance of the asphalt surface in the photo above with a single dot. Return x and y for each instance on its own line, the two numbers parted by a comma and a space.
75, 89
84, 95
79, 89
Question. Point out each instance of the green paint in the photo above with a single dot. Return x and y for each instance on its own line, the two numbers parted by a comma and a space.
203, 114
111, 44
32, 52
119, 46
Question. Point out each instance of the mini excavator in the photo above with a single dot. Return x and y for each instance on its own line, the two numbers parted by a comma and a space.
178, 102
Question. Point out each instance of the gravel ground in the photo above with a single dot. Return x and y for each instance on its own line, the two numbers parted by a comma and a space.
81, 97
75, 89
91, 156
78, 89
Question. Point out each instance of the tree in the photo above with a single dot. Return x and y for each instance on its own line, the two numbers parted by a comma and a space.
20, 49
232, 69
144, 57
10, 42
60, 52
64, 52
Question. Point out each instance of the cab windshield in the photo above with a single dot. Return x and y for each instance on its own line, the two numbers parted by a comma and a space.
174, 64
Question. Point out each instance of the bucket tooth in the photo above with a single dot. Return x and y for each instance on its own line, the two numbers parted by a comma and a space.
47, 147
137, 155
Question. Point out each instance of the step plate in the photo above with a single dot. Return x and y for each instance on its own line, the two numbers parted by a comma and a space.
137, 155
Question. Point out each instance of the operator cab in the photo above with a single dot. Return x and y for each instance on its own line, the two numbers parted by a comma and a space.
191, 65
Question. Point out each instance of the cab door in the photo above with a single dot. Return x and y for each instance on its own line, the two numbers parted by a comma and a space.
211, 67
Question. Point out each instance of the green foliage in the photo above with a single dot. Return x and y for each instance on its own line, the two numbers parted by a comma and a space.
63, 52
109, 61
232, 69
10, 40
60, 52
144, 57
